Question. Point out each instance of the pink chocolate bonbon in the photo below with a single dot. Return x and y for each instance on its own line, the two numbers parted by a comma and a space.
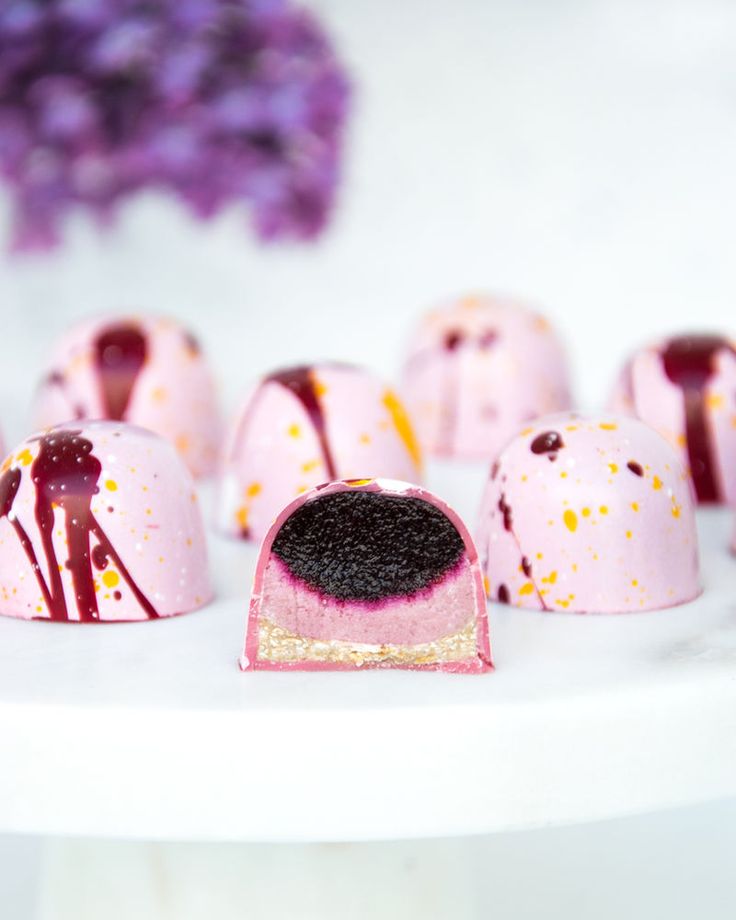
143, 370
477, 370
99, 521
306, 425
684, 387
367, 574
589, 514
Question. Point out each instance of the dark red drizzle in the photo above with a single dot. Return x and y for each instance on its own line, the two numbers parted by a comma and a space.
300, 381
120, 353
505, 510
636, 468
508, 524
549, 443
99, 557
453, 340
689, 362
503, 594
65, 475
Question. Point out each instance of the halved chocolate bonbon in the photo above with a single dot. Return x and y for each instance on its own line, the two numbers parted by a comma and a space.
369, 573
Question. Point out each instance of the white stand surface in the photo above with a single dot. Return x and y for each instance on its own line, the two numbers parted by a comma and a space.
150, 731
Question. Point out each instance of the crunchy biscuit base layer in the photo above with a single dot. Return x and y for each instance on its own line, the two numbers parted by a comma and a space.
277, 645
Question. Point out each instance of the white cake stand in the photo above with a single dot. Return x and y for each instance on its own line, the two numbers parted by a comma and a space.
150, 732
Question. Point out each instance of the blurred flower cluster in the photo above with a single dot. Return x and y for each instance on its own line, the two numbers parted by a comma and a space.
217, 101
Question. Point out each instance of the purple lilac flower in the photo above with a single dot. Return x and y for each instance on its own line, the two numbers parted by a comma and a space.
217, 101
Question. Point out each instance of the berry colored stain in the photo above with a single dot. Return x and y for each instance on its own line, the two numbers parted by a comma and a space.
120, 353
549, 443
689, 363
505, 510
65, 476
301, 382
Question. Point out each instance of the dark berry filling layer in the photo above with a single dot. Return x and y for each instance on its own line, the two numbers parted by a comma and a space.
368, 545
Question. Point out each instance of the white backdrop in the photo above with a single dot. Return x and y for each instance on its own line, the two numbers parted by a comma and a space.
577, 152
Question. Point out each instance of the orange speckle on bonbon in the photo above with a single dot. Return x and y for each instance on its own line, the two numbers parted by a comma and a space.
110, 578
403, 426
24, 457
526, 588
571, 520
294, 431
608, 426
470, 302
253, 489
585, 512
603, 509
111, 485
635, 506
241, 516
656, 483
613, 467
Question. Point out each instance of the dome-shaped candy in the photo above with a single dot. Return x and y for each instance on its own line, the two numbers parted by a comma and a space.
589, 514
306, 425
367, 574
478, 369
142, 370
685, 387
98, 522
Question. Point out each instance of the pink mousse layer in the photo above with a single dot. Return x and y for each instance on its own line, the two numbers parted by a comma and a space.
439, 611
